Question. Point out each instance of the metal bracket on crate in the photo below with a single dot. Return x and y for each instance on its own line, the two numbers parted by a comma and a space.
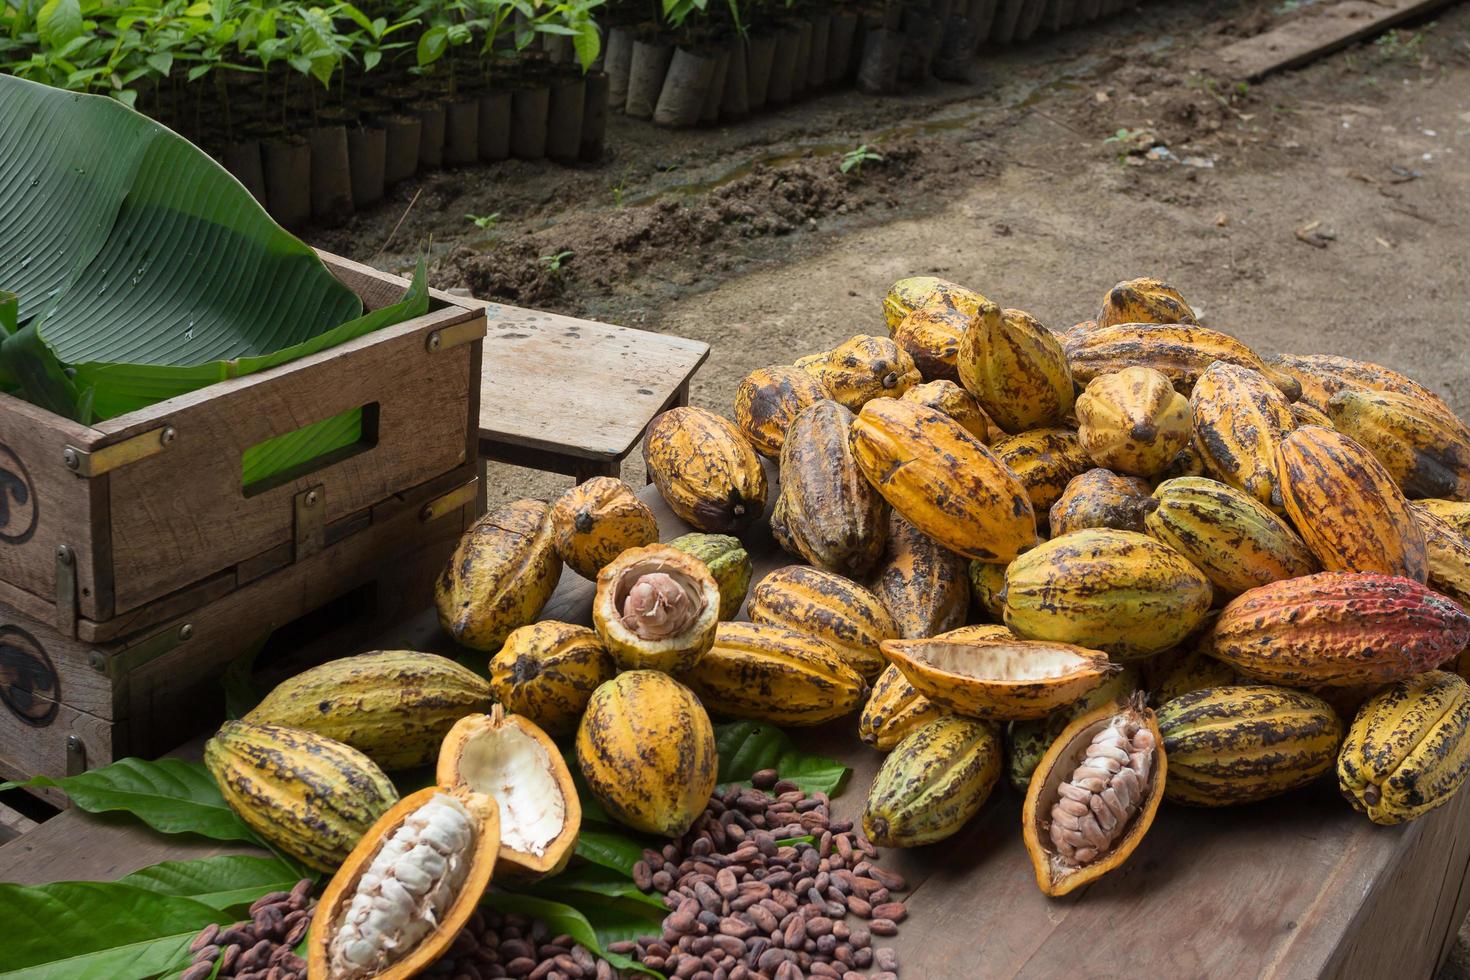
152, 648
447, 338
450, 502
109, 458
66, 590
76, 756
311, 522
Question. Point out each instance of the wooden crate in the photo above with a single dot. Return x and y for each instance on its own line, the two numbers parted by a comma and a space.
112, 529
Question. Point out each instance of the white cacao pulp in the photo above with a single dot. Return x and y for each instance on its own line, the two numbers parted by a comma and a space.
1094, 806
659, 606
514, 767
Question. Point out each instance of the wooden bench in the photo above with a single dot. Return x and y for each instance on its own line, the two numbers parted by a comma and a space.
574, 396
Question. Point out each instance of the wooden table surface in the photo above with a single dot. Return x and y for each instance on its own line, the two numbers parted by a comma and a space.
1298, 886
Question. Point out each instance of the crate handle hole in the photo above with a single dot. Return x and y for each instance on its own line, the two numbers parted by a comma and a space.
287, 457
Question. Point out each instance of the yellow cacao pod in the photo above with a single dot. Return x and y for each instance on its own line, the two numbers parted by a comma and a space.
656, 609
500, 576
1016, 370
933, 782
1101, 498
1188, 668
1239, 422
1234, 539
1106, 590
1455, 513
894, 709
1133, 422
920, 582
769, 399
1447, 552
931, 336
1346, 506
943, 480
1408, 750
547, 671
1321, 376
987, 585
647, 750
1179, 351
1045, 461
1144, 301
863, 368
394, 706
847, 616
1304, 414
954, 401
1426, 450
596, 521
705, 470
1027, 741
917, 292
309, 795
774, 674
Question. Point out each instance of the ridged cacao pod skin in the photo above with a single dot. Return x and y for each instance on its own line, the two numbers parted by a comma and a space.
1321, 376
933, 782
1455, 513
1304, 414
943, 480
1045, 461
1191, 668
851, 619
987, 586
1101, 498
827, 510
1240, 420
1144, 301
706, 470
957, 403
547, 672
1426, 450
500, 576
1338, 629
1346, 506
1234, 539
1179, 351
596, 521
893, 710
1449, 555
863, 368
1016, 370
1106, 590
921, 583
647, 750
1027, 741
777, 675
394, 706
307, 794
1408, 749
769, 399
1133, 422
1245, 743
632, 650
727, 560
931, 336
917, 292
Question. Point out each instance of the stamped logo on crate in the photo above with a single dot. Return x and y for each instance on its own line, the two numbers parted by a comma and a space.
18, 506
29, 686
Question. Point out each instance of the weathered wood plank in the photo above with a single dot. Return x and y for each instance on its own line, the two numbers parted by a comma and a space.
1314, 32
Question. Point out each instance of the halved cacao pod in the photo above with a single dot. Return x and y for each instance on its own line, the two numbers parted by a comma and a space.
1448, 553
1240, 420
1408, 750
1425, 449
1321, 376
1016, 370
774, 674
508, 759
1455, 513
1106, 590
1083, 817
851, 619
769, 399
917, 292
943, 480
1244, 743
933, 782
394, 706
1346, 506
954, 401
439, 849
920, 582
1027, 741
827, 509
1144, 301
1101, 498
1339, 629
1234, 539
500, 576
1304, 414
893, 710
1002, 680
987, 585
706, 470
1045, 461
596, 521
656, 608
547, 671
647, 750
1133, 421
727, 560
863, 368
1179, 351
931, 336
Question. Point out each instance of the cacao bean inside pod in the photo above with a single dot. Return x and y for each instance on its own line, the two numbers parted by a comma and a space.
596, 521
656, 608
1027, 741
933, 782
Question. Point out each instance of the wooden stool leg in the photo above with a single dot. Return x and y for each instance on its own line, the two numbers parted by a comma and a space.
679, 399
584, 470
482, 503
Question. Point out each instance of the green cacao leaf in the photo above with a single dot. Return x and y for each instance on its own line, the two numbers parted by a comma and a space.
224, 882
747, 747
612, 924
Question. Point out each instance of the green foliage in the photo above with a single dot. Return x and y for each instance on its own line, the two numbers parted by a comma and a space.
853, 160
554, 260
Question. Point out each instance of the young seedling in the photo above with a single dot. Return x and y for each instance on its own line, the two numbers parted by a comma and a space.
485, 222
554, 261
853, 160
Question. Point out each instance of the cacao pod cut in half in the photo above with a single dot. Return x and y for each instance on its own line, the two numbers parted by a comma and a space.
596, 521
920, 582
1346, 506
1017, 371
1027, 741
1133, 422
1339, 629
406, 890
1424, 448
1448, 552
656, 608
1239, 422
1320, 376
956, 402
1001, 680
933, 782
1179, 351
727, 560
863, 368
1144, 301
769, 399
513, 762
1245, 743
706, 470
1087, 809
1101, 498
851, 619
1455, 513
917, 292
931, 337
1408, 749
1045, 461
547, 671
500, 576
647, 750
894, 709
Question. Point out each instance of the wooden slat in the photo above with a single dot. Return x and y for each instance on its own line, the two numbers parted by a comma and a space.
1314, 32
